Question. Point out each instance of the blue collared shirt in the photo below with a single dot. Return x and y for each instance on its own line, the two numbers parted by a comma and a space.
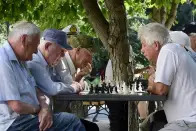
41, 72
16, 84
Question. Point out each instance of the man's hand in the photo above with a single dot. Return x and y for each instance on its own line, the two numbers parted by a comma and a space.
151, 83
86, 70
78, 87
45, 119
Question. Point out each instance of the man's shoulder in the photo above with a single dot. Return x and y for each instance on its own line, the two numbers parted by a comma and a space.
173, 47
3, 55
36, 61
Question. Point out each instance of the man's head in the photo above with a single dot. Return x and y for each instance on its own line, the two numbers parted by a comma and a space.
80, 57
153, 36
193, 41
24, 39
181, 38
52, 44
190, 30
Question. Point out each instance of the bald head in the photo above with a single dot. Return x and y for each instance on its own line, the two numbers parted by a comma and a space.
80, 57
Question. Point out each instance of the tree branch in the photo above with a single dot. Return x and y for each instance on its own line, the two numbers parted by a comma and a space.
97, 20
156, 15
172, 15
163, 15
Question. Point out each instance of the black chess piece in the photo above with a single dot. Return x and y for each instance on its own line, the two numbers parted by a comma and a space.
110, 88
91, 89
96, 89
103, 88
116, 89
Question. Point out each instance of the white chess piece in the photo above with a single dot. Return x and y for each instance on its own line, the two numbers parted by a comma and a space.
125, 89
120, 89
86, 86
135, 87
140, 87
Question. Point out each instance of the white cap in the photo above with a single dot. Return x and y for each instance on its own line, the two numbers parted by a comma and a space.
181, 38
71, 30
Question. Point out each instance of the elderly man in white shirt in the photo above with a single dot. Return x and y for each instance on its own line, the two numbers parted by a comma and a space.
175, 77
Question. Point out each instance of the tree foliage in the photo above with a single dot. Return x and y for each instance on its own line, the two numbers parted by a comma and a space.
60, 13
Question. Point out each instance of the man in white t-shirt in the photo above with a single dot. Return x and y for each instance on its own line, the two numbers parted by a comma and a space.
175, 77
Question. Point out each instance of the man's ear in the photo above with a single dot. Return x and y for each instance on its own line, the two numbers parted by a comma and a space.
47, 45
157, 45
23, 40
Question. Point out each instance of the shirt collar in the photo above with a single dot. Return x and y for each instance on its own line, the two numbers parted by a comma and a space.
70, 63
10, 52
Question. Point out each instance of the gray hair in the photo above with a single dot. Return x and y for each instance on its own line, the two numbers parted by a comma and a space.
154, 32
23, 27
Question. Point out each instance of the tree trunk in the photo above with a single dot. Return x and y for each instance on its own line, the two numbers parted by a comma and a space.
113, 35
118, 40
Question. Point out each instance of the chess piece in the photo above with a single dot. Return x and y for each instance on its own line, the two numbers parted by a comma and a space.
140, 87
91, 89
125, 89
116, 89
96, 89
103, 88
133, 91
108, 88
135, 87
86, 86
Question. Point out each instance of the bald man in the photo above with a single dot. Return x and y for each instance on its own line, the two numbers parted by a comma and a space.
76, 59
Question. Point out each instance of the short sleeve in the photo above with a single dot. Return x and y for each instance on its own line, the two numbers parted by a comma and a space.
9, 86
166, 67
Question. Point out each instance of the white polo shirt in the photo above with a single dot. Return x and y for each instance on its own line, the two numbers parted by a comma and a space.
177, 69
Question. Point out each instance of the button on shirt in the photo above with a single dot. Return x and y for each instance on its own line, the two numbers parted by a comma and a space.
42, 74
16, 84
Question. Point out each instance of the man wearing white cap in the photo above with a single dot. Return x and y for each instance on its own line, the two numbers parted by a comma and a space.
183, 39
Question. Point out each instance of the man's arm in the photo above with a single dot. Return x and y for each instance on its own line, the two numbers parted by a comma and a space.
44, 81
43, 99
45, 115
86, 70
22, 108
159, 89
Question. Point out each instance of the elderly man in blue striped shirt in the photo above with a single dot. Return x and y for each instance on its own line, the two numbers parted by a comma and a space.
22, 106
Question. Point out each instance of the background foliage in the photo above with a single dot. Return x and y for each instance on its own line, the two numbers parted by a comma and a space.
60, 13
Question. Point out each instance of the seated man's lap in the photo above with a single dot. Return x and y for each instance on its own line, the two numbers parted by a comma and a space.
179, 126
61, 121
